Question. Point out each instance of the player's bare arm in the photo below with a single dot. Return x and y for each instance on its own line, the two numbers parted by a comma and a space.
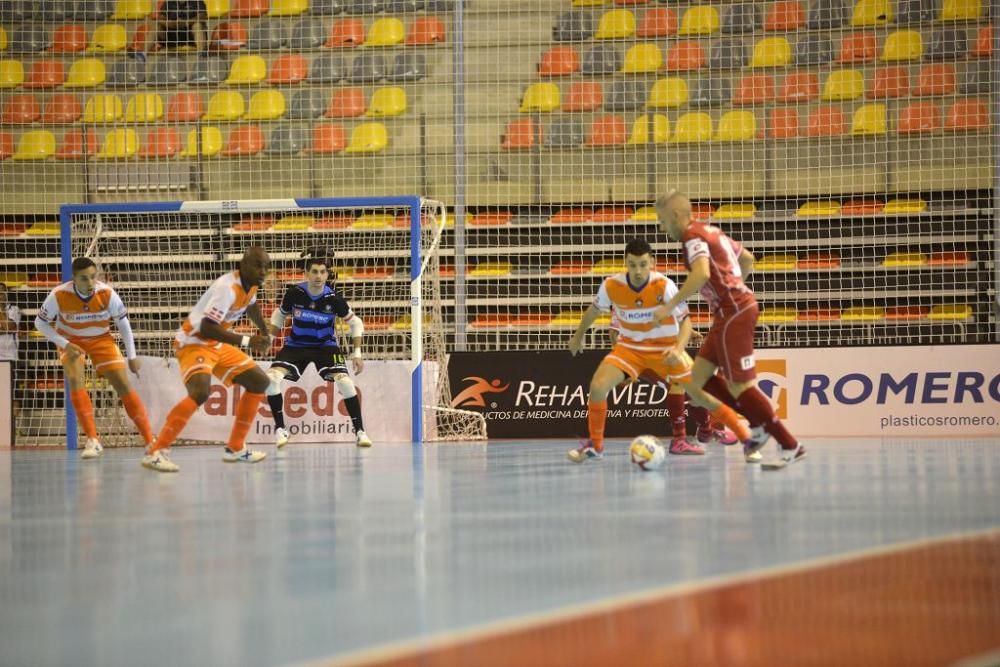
576, 341
746, 261
257, 317
696, 279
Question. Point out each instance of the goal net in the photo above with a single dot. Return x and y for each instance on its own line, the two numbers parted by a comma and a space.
387, 262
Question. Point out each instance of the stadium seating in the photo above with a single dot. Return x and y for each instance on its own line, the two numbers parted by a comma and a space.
119, 144
385, 32
347, 103
559, 61
737, 126
858, 48
754, 89
266, 105
666, 93
799, 87
565, 132
826, 121
918, 118
307, 104
329, 138
160, 143
771, 52
20, 110
521, 133
540, 97
108, 38
70, 38
700, 20
784, 16
685, 57
693, 127
207, 144
386, 102
290, 68
903, 45
583, 96
45, 74
740, 18
35, 145
889, 82
184, 107
616, 24
244, 140
869, 119
843, 84
426, 30
967, 115
642, 58
11, 73
935, 80
607, 130
77, 145
103, 109
368, 138
783, 124
872, 13
61, 108
657, 22
225, 105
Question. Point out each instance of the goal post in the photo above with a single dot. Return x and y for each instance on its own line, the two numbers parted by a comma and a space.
386, 255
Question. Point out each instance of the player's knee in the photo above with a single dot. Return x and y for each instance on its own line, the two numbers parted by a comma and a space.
199, 393
274, 376
345, 385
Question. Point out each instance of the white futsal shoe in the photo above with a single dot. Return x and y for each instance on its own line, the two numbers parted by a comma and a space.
91, 449
159, 461
362, 439
785, 459
244, 455
280, 437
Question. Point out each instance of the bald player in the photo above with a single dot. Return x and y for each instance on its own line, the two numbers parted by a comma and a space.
205, 346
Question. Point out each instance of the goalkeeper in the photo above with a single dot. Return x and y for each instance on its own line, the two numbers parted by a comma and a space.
314, 308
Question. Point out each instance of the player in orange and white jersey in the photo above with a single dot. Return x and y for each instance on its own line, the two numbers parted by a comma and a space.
205, 346
642, 343
77, 316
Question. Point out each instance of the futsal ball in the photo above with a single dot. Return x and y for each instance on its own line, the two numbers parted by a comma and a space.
647, 452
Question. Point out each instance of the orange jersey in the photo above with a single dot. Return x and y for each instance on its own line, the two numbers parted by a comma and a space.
76, 316
224, 302
632, 311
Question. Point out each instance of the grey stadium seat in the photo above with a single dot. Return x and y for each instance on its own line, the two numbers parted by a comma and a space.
741, 18
976, 79
728, 53
914, 11
709, 92
167, 72
208, 71
125, 73
287, 141
626, 95
307, 33
408, 67
364, 6
15, 10
602, 59
395, 6
573, 26
947, 44
93, 10
327, 68
564, 132
267, 35
826, 14
309, 103
444, 5
815, 49
29, 38
367, 68
326, 7
53, 10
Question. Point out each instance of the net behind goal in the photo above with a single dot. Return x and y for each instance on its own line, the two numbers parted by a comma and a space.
387, 261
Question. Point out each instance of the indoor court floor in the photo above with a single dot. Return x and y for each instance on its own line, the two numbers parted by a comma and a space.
868, 552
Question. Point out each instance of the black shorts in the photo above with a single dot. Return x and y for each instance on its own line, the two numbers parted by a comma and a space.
329, 361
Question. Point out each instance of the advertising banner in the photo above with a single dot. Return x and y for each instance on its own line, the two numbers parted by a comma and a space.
941, 391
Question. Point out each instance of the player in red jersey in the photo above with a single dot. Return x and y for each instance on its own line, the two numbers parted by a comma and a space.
716, 267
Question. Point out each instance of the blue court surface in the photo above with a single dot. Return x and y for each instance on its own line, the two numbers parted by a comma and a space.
320, 551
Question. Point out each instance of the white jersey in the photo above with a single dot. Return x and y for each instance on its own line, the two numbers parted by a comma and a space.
76, 316
632, 311
8, 341
224, 303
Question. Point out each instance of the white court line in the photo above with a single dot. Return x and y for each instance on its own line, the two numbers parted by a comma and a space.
403, 648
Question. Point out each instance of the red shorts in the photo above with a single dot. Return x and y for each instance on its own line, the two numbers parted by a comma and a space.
729, 343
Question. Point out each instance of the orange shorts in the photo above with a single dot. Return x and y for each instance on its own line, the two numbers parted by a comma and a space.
102, 350
634, 362
224, 361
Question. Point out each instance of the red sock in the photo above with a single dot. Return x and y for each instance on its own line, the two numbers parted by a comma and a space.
246, 412
597, 413
758, 411
678, 416
84, 412
177, 418
137, 413
700, 415
717, 388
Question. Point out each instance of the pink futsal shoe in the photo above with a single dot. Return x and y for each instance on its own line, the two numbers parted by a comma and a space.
721, 436
681, 447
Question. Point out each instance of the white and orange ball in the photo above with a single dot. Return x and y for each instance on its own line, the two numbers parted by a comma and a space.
647, 452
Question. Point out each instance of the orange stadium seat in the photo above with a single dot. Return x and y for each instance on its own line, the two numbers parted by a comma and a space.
45, 74
754, 89
571, 216
329, 138
799, 87
783, 124
521, 133
685, 57
657, 22
62, 108
967, 115
345, 33
862, 207
347, 103
160, 142
559, 61
858, 47
906, 312
919, 117
20, 110
6, 145
607, 130
889, 82
935, 80
583, 96
983, 46
244, 140
229, 36
492, 219
184, 107
826, 121
613, 214
69, 39
290, 68
77, 145
248, 8
426, 30
785, 16
948, 258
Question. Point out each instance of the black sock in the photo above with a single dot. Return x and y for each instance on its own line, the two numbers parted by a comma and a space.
354, 409
277, 404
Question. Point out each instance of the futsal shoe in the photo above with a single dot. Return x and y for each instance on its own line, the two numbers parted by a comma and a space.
280, 437
681, 447
91, 449
787, 458
758, 438
244, 455
362, 439
752, 457
721, 436
585, 452
159, 461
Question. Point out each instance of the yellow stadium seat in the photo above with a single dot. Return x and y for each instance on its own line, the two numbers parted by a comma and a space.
734, 211
700, 20
903, 45
572, 317
776, 263
132, 9
693, 127
85, 73
36, 145
492, 269
108, 38
11, 73
896, 206
211, 143
3, 38
607, 267
266, 105
103, 109
667, 93
225, 105
374, 221
844, 84
368, 138
863, 314
144, 108
288, 7
644, 214
404, 322
216, 8
14, 279
540, 97
869, 119
294, 223
961, 10
642, 58
951, 312
247, 69
616, 24
871, 12
901, 259
778, 315
812, 208
387, 102
589, 3
771, 52
44, 228
737, 126
640, 131
385, 32
119, 144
